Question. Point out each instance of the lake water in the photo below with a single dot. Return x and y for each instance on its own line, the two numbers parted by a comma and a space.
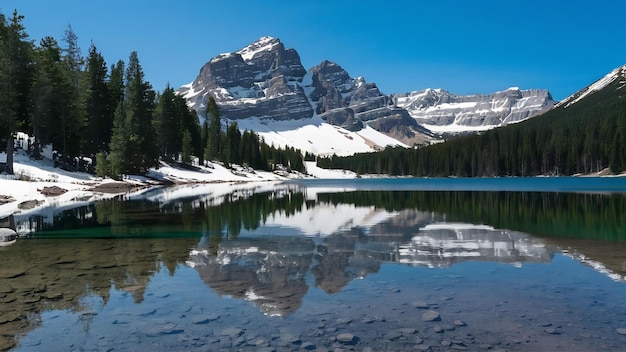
380, 265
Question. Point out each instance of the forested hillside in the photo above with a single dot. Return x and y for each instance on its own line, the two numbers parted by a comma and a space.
586, 137
113, 115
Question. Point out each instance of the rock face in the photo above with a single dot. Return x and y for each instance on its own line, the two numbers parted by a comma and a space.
351, 103
267, 81
259, 80
442, 111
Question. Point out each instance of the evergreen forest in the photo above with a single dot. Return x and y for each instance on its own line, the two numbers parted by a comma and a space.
110, 114
586, 137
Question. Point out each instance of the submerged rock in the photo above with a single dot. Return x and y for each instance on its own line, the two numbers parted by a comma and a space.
459, 323
232, 332
552, 331
420, 305
431, 315
346, 338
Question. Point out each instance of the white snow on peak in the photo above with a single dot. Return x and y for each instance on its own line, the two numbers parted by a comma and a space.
263, 44
221, 57
594, 87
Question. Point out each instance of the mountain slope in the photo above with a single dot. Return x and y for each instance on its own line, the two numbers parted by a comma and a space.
265, 81
585, 136
618, 74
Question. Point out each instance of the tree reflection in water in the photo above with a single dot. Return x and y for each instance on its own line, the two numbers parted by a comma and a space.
247, 246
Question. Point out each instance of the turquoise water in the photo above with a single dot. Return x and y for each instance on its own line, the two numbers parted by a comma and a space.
528, 184
327, 265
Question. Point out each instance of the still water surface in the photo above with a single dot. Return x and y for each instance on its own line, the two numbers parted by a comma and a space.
325, 265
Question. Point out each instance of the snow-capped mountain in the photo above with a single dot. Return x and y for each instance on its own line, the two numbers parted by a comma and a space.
264, 87
443, 112
618, 74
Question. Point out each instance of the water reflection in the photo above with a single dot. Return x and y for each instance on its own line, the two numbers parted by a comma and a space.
270, 270
272, 247
45, 274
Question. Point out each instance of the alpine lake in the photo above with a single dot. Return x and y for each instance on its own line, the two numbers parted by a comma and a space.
505, 264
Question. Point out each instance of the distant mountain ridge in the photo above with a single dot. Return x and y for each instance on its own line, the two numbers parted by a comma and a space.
267, 82
441, 111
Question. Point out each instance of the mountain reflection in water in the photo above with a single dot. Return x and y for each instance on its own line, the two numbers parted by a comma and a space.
272, 246
270, 270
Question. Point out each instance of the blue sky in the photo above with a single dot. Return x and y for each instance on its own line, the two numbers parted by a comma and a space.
465, 47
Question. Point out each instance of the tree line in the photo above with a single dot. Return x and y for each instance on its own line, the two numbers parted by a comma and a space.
83, 107
586, 137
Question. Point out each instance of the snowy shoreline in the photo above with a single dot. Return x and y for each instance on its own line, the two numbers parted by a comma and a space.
24, 191
28, 191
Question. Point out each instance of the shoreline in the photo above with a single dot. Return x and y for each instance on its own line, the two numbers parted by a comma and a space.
37, 185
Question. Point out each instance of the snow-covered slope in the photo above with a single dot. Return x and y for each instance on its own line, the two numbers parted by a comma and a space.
617, 74
318, 137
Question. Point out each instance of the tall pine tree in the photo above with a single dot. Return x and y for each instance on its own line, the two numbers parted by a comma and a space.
15, 80
74, 116
99, 111
214, 137
48, 88
133, 146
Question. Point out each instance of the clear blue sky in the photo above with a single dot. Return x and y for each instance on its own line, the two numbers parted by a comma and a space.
462, 46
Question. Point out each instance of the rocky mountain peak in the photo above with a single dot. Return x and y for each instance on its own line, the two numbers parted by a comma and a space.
329, 71
264, 44
250, 82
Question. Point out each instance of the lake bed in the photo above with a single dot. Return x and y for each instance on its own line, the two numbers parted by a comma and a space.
322, 267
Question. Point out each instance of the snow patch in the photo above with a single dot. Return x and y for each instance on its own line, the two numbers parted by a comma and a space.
263, 44
316, 136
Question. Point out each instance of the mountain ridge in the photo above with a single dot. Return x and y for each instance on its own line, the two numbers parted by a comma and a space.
266, 81
585, 135
615, 74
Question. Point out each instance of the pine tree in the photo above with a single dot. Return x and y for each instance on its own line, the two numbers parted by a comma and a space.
45, 104
15, 80
74, 117
189, 121
214, 138
133, 146
116, 85
172, 118
186, 147
233, 140
204, 136
103, 165
142, 151
167, 124
119, 142
97, 104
